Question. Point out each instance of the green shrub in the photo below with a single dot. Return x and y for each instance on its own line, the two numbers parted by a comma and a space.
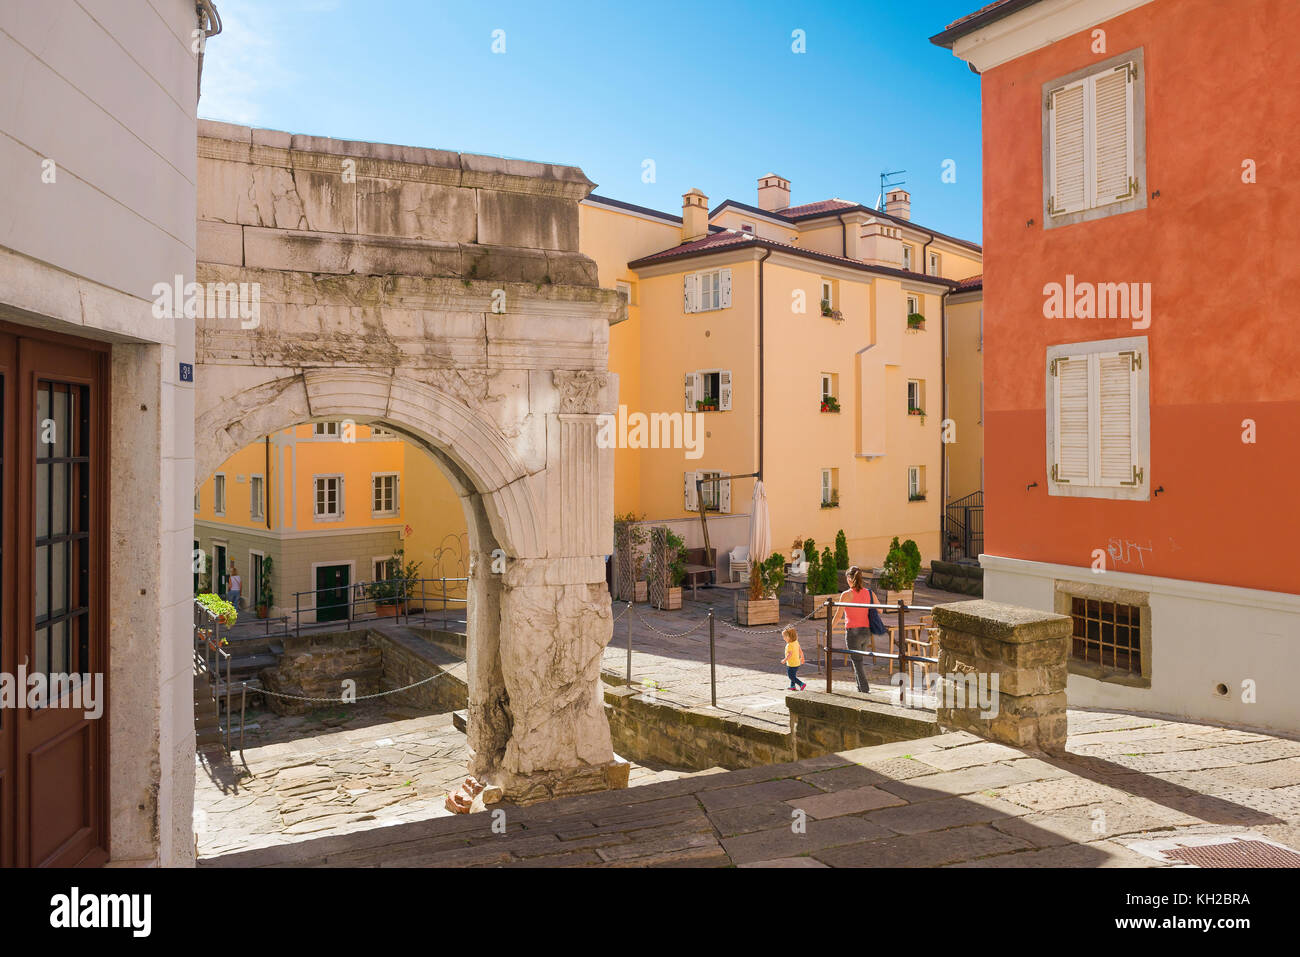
219, 608
828, 580
902, 565
841, 550
675, 556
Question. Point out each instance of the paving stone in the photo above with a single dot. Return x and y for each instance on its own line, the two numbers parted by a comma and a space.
742, 820
784, 842
766, 792
937, 815
1059, 793
969, 755
1094, 854
786, 862
848, 801
1093, 822
928, 849
966, 781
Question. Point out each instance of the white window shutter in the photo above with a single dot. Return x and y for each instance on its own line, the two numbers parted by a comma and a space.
724, 390
726, 288
691, 501
1066, 126
397, 491
691, 388
340, 496
1112, 147
691, 292
724, 493
1117, 411
1072, 445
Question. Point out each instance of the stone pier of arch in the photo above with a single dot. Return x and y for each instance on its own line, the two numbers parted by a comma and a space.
442, 295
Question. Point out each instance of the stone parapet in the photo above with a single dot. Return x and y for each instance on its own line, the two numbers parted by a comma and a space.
1025, 651
824, 723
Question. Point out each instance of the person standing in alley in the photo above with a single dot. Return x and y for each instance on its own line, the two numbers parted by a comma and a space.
863, 623
234, 585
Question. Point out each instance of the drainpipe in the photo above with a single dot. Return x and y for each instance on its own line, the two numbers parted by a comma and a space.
266, 482
209, 24
844, 237
943, 450
758, 475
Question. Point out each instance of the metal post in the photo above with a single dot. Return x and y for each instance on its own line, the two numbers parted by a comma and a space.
444, 602
830, 618
713, 664
902, 653
629, 644
297, 614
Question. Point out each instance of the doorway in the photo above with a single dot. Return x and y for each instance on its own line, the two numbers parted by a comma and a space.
53, 590
332, 585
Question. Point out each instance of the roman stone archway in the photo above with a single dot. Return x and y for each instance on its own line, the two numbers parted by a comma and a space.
443, 296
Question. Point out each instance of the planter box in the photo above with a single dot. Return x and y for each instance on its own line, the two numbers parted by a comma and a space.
817, 601
642, 592
765, 611
673, 599
893, 597
386, 611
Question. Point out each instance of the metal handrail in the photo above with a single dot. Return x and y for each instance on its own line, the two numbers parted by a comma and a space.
402, 598
903, 658
212, 643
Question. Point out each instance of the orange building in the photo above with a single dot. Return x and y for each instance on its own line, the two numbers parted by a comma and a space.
1142, 404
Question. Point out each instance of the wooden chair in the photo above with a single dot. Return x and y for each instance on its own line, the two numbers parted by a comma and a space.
924, 642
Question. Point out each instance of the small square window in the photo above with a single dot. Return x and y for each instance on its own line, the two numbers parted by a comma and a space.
324, 428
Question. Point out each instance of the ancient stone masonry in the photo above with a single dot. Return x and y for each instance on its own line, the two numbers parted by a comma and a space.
442, 295
1025, 651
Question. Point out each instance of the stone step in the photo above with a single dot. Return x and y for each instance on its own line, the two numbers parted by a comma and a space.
460, 721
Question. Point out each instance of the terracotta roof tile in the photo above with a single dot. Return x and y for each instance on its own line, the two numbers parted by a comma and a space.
970, 282
821, 206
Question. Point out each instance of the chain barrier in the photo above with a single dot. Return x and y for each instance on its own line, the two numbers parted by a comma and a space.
364, 697
703, 622
769, 631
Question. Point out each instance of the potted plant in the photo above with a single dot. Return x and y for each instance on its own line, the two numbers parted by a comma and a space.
384, 594
822, 584
915, 321
675, 557
264, 590
833, 501
842, 559
830, 404
630, 538
761, 605
826, 307
405, 579
902, 565
915, 410
223, 611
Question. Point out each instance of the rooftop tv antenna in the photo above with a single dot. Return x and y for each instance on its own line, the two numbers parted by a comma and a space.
886, 185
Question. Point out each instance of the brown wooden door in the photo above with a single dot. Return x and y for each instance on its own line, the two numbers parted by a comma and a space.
55, 589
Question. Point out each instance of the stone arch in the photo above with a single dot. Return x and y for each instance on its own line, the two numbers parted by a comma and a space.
535, 632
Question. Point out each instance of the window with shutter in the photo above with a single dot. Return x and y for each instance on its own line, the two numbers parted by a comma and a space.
1093, 142
691, 292
1067, 128
724, 493
1116, 458
1072, 431
691, 502
1112, 142
724, 390
725, 282
1099, 419
692, 390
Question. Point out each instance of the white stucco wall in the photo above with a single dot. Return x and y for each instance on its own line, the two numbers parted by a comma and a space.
106, 89
1202, 635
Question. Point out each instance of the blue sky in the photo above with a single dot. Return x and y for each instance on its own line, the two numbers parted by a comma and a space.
710, 91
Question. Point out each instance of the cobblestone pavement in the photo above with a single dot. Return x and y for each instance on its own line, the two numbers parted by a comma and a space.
948, 801
750, 677
335, 771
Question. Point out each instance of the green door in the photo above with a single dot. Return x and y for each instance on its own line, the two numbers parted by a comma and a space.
332, 583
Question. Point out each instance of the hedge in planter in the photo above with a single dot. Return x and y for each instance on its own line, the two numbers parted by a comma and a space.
761, 605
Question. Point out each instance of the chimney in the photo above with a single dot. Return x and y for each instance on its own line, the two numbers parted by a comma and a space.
898, 202
773, 193
695, 216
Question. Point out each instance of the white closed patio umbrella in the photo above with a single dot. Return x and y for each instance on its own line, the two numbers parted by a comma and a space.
760, 525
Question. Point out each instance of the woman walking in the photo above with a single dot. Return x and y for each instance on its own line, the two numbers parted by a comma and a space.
863, 623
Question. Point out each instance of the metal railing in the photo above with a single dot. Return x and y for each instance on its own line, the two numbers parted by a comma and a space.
904, 660
210, 656
371, 601
963, 521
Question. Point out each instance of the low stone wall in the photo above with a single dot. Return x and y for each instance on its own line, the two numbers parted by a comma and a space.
406, 660
315, 666
824, 723
692, 739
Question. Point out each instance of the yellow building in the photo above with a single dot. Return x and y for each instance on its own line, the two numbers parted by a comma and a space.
331, 503
780, 336
964, 448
